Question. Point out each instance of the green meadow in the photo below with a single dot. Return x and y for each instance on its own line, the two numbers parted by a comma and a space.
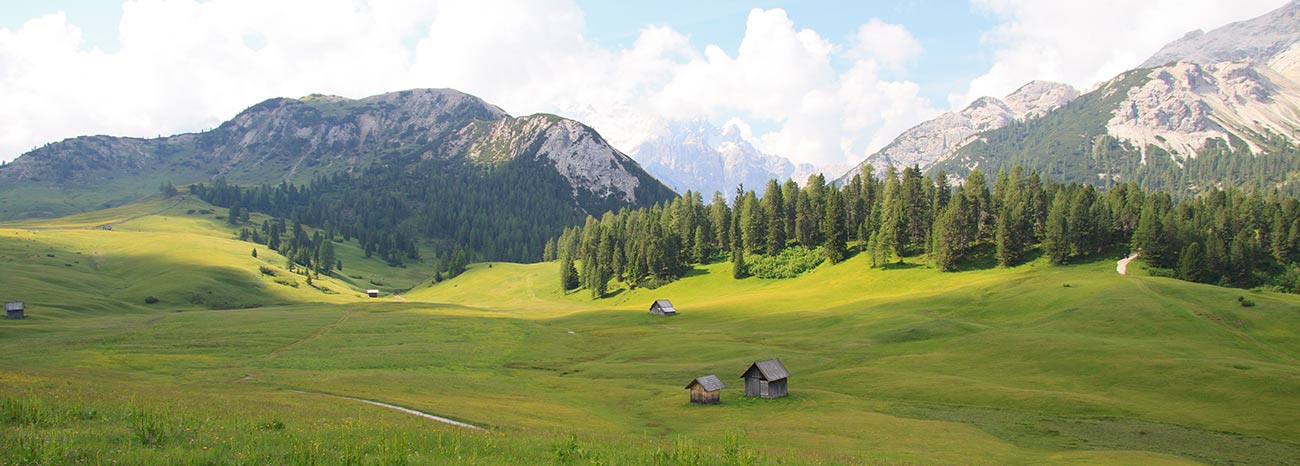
904, 365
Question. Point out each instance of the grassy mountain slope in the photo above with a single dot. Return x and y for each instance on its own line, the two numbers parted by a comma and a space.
899, 365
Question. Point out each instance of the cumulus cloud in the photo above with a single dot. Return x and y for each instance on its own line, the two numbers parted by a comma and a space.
889, 44
186, 65
1084, 42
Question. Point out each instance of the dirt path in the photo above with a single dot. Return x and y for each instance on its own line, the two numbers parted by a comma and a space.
1122, 265
404, 410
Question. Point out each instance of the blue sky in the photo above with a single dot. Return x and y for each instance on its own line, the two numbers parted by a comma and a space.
950, 30
823, 82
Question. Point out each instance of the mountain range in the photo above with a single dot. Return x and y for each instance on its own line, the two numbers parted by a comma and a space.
295, 140
928, 142
701, 157
1200, 112
1207, 115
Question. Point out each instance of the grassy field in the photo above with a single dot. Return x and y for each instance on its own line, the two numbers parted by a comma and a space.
1029, 365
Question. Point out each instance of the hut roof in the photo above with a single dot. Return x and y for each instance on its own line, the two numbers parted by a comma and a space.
770, 370
14, 306
663, 304
709, 383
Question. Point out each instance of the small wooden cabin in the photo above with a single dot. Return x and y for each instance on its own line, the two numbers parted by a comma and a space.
705, 390
372, 293
662, 307
767, 379
14, 310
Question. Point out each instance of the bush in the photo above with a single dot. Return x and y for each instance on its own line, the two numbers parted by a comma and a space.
789, 263
1245, 302
151, 299
270, 272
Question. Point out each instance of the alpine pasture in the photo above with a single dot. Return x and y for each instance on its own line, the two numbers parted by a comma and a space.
241, 361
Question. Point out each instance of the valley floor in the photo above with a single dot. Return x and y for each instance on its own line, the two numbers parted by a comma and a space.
1029, 365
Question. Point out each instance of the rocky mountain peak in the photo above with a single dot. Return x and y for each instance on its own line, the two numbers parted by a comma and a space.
1039, 97
1258, 39
931, 141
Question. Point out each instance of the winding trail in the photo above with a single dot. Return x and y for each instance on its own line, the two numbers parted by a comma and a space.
404, 410
1122, 265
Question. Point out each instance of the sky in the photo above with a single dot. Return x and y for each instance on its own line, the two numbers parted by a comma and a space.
821, 82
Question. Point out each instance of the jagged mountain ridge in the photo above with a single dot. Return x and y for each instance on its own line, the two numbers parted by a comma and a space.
930, 141
294, 140
1184, 126
1259, 39
700, 157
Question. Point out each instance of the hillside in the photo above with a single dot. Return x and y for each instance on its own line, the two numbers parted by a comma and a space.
298, 140
1027, 365
927, 143
1214, 110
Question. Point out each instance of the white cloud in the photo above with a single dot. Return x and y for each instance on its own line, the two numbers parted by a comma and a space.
890, 44
186, 65
1083, 42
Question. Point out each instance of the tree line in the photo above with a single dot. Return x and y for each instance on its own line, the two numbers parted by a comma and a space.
503, 214
1228, 237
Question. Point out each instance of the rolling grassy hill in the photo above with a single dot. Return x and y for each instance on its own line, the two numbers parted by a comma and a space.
1034, 364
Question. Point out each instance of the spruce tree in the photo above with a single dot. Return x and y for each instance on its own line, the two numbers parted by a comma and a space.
949, 238
774, 214
833, 227
1191, 263
738, 267
568, 274
701, 252
1056, 241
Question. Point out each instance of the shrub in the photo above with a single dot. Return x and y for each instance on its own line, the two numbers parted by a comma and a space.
789, 263
270, 272
150, 299
147, 426
1245, 302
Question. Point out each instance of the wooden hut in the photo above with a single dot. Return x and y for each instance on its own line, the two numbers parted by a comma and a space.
705, 390
766, 379
372, 293
14, 310
662, 307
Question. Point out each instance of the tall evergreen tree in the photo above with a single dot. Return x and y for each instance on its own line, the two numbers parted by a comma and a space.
774, 213
1056, 241
949, 239
1191, 263
833, 227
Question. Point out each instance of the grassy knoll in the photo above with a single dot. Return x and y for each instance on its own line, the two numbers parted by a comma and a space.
1034, 364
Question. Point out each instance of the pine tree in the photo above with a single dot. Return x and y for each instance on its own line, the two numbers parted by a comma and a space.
254, 252
833, 227
774, 214
738, 267
1150, 238
701, 252
548, 251
1056, 241
1191, 263
326, 260
720, 220
752, 225
949, 239
891, 237
568, 274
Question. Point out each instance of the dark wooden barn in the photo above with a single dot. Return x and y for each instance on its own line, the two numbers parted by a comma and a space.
14, 310
705, 390
766, 379
662, 307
